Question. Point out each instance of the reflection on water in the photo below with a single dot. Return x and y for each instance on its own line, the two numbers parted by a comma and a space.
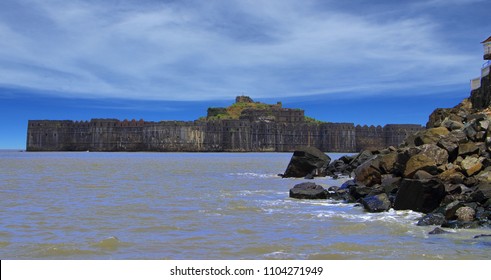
195, 206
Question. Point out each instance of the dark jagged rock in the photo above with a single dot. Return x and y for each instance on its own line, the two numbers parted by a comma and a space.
359, 191
308, 190
361, 158
482, 235
419, 195
376, 203
438, 230
432, 219
390, 184
307, 161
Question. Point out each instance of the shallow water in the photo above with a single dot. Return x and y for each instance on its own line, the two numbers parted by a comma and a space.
196, 206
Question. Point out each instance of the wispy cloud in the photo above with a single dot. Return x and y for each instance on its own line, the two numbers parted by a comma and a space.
195, 50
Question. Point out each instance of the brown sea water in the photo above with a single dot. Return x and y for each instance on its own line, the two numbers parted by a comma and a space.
196, 206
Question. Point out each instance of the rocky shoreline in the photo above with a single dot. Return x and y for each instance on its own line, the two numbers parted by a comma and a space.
443, 171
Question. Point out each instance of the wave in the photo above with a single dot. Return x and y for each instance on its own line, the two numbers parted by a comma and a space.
254, 175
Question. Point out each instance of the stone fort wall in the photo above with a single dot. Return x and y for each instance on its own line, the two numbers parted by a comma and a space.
241, 135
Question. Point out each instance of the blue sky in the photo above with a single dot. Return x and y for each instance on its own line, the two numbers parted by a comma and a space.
367, 62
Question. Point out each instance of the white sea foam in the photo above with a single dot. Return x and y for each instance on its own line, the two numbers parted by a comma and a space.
254, 175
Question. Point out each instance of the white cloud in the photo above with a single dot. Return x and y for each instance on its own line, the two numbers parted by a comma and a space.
196, 50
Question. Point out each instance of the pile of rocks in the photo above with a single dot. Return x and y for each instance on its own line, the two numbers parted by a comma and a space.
444, 171
310, 162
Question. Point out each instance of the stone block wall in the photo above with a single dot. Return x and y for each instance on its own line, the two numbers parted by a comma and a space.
208, 136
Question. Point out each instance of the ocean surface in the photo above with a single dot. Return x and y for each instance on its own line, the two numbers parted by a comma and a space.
183, 206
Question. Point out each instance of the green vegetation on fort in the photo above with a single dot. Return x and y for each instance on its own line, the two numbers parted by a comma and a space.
312, 120
234, 111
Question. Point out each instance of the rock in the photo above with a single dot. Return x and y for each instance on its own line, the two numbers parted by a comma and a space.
368, 174
346, 159
348, 184
430, 136
450, 146
471, 165
484, 175
482, 192
419, 195
455, 188
421, 175
438, 230
360, 191
437, 117
376, 203
308, 190
361, 158
419, 162
468, 149
339, 166
452, 175
465, 214
432, 219
305, 161
485, 123
390, 184
386, 163
482, 235
439, 155
470, 132
450, 209
309, 176
452, 125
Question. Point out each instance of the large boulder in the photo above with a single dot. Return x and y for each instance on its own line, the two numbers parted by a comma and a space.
308, 190
432, 219
419, 162
360, 191
387, 163
307, 161
368, 173
430, 136
419, 195
439, 155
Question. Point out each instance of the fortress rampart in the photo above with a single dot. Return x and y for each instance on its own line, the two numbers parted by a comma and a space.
274, 129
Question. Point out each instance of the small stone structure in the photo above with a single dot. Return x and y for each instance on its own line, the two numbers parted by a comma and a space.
274, 129
481, 86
